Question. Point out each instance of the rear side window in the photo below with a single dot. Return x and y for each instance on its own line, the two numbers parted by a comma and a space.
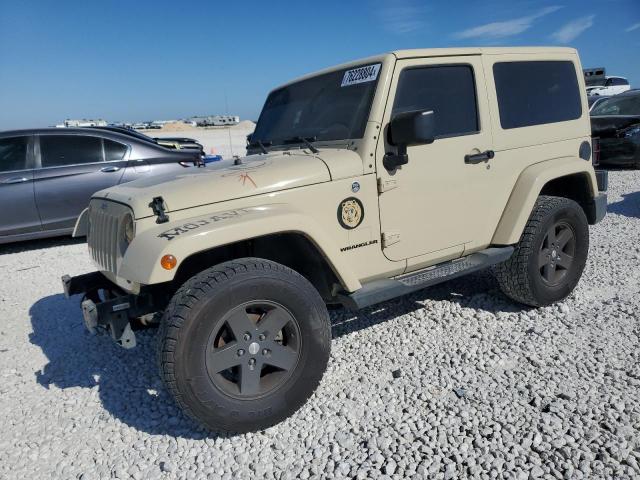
536, 93
61, 150
448, 90
113, 150
13, 153
617, 81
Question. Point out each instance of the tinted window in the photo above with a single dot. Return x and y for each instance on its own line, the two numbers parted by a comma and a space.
114, 150
618, 105
447, 90
59, 150
535, 93
617, 81
13, 153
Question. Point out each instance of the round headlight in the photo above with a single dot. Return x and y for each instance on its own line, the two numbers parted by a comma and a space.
128, 229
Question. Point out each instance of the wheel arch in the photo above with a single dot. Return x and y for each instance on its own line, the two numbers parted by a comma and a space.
292, 249
575, 187
567, 177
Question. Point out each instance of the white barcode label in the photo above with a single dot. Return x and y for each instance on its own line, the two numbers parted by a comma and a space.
360, 75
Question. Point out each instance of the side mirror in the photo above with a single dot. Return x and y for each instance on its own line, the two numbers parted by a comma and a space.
407, 129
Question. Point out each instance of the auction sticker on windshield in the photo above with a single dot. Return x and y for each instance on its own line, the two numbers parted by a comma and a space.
360, 75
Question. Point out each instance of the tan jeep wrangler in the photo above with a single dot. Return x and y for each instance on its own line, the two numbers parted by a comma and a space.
362, 182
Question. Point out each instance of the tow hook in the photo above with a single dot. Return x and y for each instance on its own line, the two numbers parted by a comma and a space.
116, 322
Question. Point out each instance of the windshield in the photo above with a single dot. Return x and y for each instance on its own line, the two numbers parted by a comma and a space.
625, 105
332, 106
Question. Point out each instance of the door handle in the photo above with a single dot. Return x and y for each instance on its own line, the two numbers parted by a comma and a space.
110, 169
16, 180
479, 157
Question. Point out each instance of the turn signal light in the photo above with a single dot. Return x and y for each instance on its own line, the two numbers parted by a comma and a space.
168, 262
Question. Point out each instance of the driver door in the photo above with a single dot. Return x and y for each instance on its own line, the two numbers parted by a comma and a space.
19, 213
437, 202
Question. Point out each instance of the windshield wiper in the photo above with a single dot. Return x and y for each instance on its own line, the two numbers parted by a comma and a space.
261, 145
306, 140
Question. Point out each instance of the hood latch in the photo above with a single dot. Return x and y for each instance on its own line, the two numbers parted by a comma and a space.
157, 205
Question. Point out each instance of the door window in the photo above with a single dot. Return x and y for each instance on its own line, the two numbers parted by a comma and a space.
61, 150
113, 151
13, 153
448, 90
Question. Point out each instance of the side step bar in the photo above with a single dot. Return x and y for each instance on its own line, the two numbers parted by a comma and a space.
388, 288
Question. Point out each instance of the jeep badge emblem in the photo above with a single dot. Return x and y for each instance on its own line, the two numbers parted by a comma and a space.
355, 187
350, 213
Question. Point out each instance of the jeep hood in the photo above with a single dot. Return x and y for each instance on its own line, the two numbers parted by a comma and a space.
256, 175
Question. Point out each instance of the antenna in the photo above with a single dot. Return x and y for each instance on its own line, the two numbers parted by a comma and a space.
226, 106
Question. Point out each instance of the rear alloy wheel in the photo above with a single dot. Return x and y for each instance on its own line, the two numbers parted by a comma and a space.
557, 252
549, 258
244, 344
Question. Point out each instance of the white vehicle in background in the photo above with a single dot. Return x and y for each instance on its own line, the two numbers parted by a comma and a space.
612, 86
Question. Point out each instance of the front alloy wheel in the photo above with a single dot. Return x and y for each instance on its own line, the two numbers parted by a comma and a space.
244, 344
254, 349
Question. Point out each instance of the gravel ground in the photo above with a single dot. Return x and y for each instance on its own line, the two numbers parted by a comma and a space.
450, 382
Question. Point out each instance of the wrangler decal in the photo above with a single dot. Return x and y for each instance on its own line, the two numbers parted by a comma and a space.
358, 245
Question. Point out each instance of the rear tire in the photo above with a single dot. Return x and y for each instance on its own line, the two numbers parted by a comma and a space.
244, 344
549, 258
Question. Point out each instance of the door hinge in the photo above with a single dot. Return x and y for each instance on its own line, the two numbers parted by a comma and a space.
386, 185
389, 238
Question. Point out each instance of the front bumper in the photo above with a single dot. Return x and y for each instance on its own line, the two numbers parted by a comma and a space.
106, 307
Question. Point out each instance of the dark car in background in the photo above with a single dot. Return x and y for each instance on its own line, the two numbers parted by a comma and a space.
593, 100
615, 122
174, 143
47, 176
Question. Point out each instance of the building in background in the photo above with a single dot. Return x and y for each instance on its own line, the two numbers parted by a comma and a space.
83, 123
594, 77
215, 120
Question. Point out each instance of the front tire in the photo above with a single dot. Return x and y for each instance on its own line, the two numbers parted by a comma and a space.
244, 344
549, 258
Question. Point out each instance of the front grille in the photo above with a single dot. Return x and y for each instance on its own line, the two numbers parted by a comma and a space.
104, 235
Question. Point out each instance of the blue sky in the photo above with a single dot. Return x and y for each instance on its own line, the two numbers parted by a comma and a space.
145, 60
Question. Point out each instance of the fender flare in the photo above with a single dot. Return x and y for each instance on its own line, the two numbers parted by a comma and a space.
82, 224
187, 237
527, 189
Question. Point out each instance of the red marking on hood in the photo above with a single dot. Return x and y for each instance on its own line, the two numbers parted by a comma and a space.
243, 177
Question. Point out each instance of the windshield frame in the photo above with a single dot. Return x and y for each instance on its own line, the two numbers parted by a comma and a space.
291, 142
